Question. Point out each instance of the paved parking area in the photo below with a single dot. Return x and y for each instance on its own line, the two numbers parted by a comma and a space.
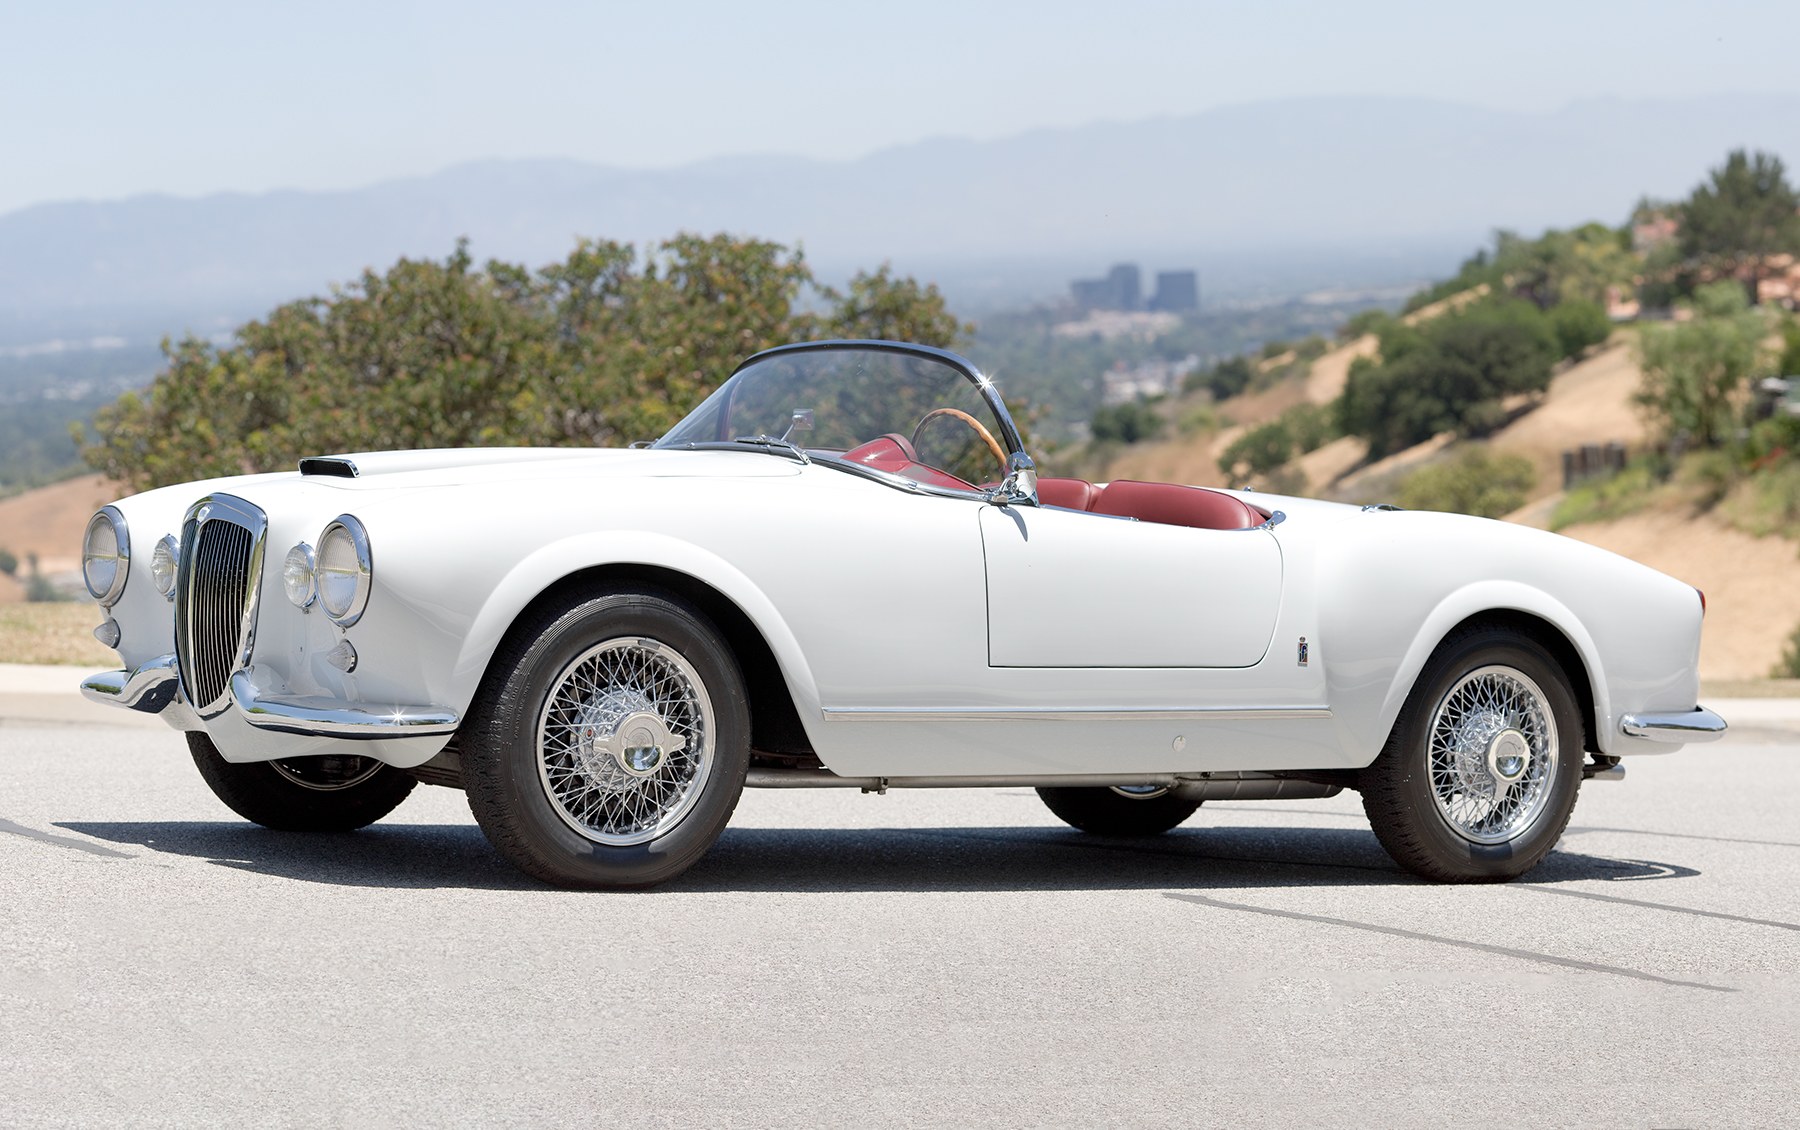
932, 958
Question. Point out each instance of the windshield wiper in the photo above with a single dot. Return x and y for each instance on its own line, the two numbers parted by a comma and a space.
773, 443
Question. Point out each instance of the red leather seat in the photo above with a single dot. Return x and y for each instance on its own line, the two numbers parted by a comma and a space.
1073, 494
1174, 505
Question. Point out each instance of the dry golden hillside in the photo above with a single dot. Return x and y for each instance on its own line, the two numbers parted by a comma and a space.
49, 522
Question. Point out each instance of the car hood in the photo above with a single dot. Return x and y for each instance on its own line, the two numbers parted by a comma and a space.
364, 470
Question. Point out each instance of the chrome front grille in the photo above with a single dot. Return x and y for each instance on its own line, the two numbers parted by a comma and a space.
215, 597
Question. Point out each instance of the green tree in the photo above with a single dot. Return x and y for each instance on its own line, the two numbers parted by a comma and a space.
1742, 215
599, 349
1578, 324
1695, 371
1258, 451
1448, 375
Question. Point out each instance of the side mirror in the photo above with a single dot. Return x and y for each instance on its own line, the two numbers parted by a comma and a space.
800, 421
1019, 487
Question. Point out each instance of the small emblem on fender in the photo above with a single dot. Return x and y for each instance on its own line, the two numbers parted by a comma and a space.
1303, 651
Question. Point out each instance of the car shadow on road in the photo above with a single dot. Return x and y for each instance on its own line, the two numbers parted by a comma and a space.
843, 859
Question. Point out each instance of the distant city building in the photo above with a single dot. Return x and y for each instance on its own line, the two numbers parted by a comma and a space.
1123, 289
1177, 292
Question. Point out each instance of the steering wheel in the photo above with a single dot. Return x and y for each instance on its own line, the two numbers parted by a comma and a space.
987, 437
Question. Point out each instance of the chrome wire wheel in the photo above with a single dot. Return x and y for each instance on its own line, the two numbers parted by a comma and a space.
1493, 751
625, 741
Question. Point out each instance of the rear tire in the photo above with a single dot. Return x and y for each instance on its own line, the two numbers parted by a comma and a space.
332, 793
1479, 777
1113, 812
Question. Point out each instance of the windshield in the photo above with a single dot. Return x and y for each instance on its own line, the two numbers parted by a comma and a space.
902, 413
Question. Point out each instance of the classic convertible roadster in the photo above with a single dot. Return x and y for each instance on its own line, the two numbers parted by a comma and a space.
842, 570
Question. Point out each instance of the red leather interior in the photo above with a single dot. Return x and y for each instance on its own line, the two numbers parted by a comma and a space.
894, 454
1166, 503
887, 453
1174, 505
1073, 494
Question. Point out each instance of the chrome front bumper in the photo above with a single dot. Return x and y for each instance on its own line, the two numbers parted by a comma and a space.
153, 688
1696, 725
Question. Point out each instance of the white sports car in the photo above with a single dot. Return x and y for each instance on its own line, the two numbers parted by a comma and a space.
841, 570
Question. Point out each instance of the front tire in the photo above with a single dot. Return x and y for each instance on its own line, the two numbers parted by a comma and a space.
332, 793
1118, 812
609, 743
1479, 777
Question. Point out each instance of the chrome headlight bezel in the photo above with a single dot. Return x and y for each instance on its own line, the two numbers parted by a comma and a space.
119, 558
165, 563
300, 577
343, 529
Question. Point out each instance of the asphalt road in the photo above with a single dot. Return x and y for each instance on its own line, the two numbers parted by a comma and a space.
939, 958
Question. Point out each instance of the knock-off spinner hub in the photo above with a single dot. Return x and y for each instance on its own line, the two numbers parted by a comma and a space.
1508, 755
619, 740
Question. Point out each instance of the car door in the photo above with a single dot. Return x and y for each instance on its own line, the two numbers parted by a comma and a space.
1072, 589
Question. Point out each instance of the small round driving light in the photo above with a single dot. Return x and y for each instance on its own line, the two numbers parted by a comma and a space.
106, 556
297, 576
162, 565
343, 570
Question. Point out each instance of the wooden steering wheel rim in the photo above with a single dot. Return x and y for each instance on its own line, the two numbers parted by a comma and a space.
987, 437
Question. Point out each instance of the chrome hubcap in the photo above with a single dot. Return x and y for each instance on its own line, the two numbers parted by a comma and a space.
1494, 751
625, 741
329, 773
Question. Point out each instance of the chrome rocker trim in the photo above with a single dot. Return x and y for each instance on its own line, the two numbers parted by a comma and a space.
1074, 714
317, 716
150, 688
1696, 725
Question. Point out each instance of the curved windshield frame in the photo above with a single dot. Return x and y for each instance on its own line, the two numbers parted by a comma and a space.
916, 417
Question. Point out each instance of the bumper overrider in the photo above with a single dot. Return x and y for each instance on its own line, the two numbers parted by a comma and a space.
1696, 725
155, 687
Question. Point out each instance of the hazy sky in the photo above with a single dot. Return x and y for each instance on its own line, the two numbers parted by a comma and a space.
112, 98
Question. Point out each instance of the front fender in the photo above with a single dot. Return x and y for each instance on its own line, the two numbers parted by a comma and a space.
546, 566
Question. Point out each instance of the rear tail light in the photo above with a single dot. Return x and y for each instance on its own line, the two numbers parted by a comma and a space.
1702, 593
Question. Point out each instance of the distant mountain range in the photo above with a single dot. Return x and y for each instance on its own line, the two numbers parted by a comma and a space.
1268, 196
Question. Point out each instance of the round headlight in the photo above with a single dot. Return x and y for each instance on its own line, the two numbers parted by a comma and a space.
343, 570
162, 565
297, 576
106, 555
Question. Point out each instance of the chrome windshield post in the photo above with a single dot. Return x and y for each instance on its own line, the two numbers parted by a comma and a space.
1019, 488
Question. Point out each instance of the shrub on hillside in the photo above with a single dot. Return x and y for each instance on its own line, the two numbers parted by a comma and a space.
1224, 380
1475, 482
1624, 493
1131, 422
1578, 324
1789, 667
9, 563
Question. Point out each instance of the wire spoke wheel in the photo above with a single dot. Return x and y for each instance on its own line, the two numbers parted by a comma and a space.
1483, 765
1493, 753
625, 741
